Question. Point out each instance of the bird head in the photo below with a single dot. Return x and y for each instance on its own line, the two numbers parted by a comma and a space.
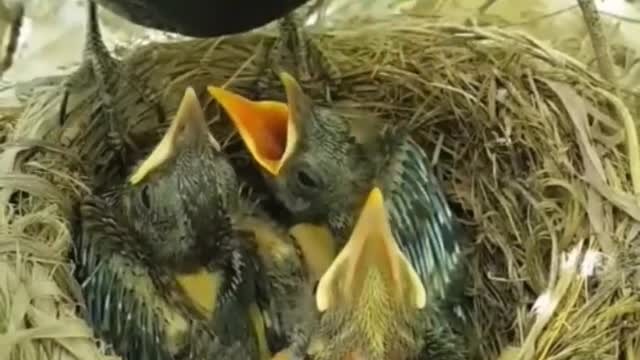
370, 296
182, 192
307, 152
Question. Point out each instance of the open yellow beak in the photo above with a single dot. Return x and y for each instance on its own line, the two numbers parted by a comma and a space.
187, 126
268, 128
371, 247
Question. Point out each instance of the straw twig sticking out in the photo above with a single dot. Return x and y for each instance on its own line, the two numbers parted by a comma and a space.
633, 145
605, 65
598, 39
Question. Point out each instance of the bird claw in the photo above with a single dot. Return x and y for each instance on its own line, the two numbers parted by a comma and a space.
100, 68
117, 145
117, 137
115, 141
310, 61
121, 144
79, 77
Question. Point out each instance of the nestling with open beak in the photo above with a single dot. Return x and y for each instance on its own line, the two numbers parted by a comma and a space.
165, 273
374, 305
322, 172
307, 153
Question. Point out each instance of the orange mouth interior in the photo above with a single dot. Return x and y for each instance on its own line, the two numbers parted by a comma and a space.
269, 133
263, 126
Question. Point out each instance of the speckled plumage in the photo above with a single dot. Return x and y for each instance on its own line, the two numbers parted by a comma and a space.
420, 215
184, 213
117, 282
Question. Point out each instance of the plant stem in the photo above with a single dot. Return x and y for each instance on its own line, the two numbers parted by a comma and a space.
598, 39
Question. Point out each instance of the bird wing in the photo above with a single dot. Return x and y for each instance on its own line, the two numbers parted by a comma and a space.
146, 312
123, 304
422, 221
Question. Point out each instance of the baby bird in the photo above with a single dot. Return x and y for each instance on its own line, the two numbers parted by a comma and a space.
374, 305
322, 173
310, 158
165, 273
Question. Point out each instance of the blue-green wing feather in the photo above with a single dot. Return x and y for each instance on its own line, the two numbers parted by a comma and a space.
114, 309
421, 219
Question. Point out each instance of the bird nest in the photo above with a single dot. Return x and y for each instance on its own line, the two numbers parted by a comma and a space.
538, 157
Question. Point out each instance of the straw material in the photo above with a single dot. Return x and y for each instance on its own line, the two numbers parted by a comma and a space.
539, 159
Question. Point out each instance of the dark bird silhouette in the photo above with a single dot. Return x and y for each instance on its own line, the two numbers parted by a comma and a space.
201, 18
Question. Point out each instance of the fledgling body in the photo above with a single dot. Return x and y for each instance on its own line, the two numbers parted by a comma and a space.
165, 274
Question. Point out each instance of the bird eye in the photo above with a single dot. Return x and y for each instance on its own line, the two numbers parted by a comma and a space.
306, 180
144, 197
